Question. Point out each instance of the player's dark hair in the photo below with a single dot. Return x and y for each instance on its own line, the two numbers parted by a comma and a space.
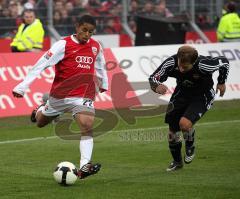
86, 19
187, 54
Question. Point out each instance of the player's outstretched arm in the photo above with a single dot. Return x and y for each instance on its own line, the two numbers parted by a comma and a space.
51, 57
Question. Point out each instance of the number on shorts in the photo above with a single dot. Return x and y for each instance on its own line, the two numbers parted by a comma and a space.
88, 103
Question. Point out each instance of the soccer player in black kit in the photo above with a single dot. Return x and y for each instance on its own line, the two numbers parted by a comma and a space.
192, 97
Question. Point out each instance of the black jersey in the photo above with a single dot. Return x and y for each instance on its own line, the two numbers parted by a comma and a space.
198, 79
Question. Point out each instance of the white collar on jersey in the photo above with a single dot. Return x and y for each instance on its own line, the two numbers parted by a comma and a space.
75, 40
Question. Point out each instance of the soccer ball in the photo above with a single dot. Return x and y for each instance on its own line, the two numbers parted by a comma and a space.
65, 173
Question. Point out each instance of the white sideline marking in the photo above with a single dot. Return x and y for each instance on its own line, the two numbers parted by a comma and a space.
26, 140
117, 131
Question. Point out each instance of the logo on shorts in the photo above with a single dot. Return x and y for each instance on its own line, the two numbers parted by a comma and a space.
88, 103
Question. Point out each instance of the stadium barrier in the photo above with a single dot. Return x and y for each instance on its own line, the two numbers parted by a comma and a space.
107, 41
193, 37
128, 69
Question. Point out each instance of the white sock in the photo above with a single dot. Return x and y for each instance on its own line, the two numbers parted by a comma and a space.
86, 147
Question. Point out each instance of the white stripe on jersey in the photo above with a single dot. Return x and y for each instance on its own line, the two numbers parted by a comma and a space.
208, 69
212, 68
162, 71
209, 66
165, 65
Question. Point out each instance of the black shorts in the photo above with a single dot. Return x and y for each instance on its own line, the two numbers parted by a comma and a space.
189, 106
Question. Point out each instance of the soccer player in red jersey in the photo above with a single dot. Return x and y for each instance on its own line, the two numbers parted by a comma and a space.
78, 59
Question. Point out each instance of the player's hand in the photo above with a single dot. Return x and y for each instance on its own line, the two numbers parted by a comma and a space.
16, 94
221, 88
161, 89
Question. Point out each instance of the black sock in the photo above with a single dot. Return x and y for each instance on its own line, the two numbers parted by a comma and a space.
175, 149
189, 141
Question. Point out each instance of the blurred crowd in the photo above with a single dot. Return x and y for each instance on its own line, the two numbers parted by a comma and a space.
11, 15
65, 12
108, 13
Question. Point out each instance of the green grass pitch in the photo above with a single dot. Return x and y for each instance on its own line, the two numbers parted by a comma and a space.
134, 159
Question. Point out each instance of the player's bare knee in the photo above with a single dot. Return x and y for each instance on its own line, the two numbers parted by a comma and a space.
185, 124
87, 126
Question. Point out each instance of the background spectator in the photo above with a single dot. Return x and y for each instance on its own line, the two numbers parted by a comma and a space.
148, 9
229, 26
30, 34
161, 10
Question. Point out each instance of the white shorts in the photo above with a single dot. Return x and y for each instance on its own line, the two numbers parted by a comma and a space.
72, 105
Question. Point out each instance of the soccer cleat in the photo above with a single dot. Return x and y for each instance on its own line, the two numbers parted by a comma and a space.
175, 166
34, 112
88, 169
189, 154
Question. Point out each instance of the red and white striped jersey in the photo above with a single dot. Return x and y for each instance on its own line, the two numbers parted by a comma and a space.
76, 66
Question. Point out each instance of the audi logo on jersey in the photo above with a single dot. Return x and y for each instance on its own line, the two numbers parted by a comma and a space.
84, 61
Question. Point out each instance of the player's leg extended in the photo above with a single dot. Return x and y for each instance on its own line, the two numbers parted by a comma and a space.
174, 139
42, 120
198, 106
85, 121
175, 146
186, 127
44, 114
175, 110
